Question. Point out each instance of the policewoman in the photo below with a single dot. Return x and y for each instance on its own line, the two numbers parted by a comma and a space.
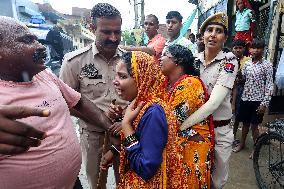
218, 70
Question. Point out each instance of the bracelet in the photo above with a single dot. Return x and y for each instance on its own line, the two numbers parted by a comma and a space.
132, 144
129, 140
114, 150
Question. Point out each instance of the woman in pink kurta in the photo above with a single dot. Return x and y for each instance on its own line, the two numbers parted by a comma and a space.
56, 162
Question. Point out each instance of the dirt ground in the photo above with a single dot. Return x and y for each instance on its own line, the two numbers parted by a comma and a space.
241, 167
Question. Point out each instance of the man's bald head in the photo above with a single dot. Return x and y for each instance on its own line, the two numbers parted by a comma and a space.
10, 28
20, 51
8, 22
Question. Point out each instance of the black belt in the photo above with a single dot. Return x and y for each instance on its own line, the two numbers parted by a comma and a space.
221, 123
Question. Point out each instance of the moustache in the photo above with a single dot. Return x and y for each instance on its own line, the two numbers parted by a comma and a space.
116, 43
39, 55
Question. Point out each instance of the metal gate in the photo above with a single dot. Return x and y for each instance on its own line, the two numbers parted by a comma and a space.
263, 20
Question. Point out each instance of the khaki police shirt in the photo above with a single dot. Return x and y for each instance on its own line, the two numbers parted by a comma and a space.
222, 70
89, 73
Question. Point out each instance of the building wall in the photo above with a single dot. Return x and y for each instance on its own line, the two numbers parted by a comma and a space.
76, 25
208, 8
82, 12
13, 8
272, 41
6, 8
206, 5
79, 42
80, 35
30, 7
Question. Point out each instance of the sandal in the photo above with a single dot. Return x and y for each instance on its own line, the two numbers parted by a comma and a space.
238, 148
236, 142
251, 155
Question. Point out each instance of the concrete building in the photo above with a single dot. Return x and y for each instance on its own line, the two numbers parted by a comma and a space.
83, 36
7, 8
22, 10
77, 25
81, 12
26, 9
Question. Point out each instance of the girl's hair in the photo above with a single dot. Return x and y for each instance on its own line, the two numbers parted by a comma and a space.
257, 44
184, 58
239, 42
126, 58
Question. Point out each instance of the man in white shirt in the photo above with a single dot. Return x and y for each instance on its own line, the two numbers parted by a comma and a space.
174, 25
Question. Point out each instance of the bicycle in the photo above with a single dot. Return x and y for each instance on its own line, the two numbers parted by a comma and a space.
268, 158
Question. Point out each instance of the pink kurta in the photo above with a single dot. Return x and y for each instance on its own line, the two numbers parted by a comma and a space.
158, 43
56, 162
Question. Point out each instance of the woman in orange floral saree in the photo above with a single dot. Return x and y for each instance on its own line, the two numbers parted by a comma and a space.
148, 130
185, 94
156, 154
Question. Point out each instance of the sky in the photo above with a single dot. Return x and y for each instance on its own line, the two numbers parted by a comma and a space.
157, 7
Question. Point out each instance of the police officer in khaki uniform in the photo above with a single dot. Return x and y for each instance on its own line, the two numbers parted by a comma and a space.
218, 70
90, 71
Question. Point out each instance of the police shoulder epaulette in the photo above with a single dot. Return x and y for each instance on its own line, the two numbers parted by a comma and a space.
230, 56
73, 54
198, 56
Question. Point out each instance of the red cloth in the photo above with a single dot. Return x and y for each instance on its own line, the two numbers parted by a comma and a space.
244, 35
247, 4
247, 37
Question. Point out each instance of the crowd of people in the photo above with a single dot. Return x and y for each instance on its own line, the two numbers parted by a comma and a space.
160, 114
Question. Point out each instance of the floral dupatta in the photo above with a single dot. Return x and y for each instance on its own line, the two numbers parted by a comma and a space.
149, 81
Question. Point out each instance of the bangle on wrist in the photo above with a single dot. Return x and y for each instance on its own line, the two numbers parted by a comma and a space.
132, 144
129, 140
114, 150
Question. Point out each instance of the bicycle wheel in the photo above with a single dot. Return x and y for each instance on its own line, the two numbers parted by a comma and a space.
268, 161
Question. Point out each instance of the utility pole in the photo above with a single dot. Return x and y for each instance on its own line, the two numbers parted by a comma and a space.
136, 16
142, 13
139, 13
